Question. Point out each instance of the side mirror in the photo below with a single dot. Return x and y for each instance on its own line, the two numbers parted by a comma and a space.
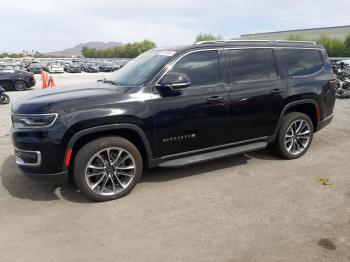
174, 81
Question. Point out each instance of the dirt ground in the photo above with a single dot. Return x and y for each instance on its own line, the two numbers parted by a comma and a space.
253, 207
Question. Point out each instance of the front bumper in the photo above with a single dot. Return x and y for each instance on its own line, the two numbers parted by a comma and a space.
28, 158
56, 178
40, 153
31, 163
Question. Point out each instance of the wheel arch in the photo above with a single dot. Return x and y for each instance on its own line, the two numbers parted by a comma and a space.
130, 132
309, 107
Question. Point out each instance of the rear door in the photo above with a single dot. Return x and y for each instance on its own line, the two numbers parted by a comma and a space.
256, 93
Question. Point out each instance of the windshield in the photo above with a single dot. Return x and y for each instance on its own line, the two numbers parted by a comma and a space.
142, 69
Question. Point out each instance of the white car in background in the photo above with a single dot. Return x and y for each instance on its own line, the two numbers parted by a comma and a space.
54, 68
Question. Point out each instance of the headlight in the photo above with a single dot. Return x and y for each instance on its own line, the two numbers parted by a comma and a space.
33, 120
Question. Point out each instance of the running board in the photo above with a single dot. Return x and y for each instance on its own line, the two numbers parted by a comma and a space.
188, 160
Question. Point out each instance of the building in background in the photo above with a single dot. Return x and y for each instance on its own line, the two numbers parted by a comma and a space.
338, 32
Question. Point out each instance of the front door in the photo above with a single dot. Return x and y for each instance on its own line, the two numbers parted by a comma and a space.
194, 117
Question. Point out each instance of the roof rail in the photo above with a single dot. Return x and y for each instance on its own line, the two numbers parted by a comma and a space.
227, 41
292, 41
259, 41
247, 40
210, 42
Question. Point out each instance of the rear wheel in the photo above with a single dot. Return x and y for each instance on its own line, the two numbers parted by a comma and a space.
20, 85
295, 135
107, 168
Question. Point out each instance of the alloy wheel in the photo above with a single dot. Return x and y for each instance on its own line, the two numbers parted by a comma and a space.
297, 137
110, 171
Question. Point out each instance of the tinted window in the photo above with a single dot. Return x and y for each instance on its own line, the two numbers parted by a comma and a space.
300, 62
201, 67
250, 65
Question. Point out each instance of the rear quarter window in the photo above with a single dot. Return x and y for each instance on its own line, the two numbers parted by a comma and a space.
302, 62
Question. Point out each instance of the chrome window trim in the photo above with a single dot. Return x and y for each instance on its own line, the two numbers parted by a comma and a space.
171, 64
20, 161
36, 127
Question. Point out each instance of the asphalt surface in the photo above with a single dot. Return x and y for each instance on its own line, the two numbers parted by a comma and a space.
253, 207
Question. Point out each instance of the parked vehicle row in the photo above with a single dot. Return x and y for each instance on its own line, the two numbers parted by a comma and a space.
53, 66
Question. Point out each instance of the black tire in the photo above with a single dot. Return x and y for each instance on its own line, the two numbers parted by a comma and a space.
20, 85
4, 99
280, 146
87, 152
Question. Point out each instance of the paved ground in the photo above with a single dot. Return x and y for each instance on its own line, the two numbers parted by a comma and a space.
253, 207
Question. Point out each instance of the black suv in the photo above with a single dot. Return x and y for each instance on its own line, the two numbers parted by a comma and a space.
173, 107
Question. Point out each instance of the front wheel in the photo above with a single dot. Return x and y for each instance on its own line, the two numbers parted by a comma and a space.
295, 135
107, 168
4, 99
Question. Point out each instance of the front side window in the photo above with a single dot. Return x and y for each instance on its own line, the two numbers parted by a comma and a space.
202, 67
302, 62
251, 65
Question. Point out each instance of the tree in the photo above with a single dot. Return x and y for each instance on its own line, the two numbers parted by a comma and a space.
208, 37
296, 38
334, 47
129, 50
84, 51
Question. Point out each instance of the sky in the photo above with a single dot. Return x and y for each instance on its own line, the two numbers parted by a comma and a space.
47, 25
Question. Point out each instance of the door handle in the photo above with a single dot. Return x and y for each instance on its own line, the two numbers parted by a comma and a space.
213, 99
276, 91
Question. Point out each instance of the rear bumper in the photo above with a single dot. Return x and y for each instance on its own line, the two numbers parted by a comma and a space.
324, 122
31, 82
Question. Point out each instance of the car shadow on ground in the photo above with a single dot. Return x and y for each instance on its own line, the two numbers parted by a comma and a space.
20, 186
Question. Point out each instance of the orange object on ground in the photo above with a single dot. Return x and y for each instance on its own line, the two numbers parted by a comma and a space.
51, 82
44, 79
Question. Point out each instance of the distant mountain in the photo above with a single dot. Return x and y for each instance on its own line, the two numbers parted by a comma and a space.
76, 50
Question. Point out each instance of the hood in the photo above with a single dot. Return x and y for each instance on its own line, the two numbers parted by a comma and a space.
74, 97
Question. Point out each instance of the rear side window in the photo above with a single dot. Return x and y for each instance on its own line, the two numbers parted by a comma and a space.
251, 65
302, 62
201, 67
